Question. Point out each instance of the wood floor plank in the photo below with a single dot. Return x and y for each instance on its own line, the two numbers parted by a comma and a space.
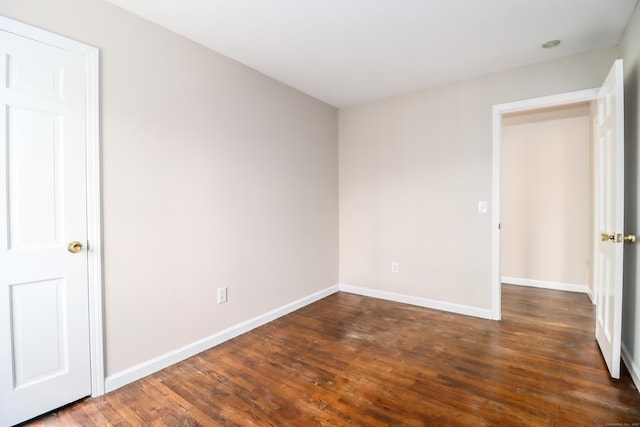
102, 413
353, 360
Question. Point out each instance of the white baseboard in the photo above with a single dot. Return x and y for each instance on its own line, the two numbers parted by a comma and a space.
632, 366
591, 296
421, 302
569, 287
149, 367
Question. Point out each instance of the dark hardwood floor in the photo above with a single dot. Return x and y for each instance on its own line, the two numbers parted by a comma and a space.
352, 360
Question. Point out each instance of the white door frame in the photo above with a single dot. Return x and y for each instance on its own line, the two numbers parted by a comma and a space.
498, 111
94, 222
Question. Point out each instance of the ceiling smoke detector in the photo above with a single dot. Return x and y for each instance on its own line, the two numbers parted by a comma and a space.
550, 44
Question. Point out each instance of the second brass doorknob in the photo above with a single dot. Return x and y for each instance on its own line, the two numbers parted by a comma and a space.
629, 238
74, 247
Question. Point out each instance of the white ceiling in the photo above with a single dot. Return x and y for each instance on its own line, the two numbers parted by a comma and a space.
346, 52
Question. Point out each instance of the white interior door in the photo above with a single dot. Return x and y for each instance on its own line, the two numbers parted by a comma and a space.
44, 306
609, 216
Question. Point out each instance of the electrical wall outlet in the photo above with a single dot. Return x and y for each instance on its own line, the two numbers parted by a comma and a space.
395, 267
222, 295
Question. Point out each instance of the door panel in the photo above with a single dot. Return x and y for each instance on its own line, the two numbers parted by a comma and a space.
609, 196
44, 311
34, 75
38, 331
33, 150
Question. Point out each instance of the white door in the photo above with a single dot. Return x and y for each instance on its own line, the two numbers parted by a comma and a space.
44, 306
609, 216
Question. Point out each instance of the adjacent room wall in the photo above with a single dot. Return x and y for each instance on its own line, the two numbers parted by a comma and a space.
546, 197
413, 169
213, 174
630, 52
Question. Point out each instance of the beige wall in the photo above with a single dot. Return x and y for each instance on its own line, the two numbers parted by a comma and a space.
546, 197
630, 51
412, 170
213, 174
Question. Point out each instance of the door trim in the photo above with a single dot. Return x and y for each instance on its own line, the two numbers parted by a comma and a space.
94, 196
496, 174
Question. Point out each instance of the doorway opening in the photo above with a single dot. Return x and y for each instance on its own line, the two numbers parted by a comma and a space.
547, 198
500, 113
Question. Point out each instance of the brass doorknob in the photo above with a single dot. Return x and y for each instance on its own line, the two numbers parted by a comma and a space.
604, 237
74, 247
630, 238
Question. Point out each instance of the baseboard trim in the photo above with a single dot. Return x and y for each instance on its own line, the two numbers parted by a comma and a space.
420, 302
632, 366
558, 286
156, 364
